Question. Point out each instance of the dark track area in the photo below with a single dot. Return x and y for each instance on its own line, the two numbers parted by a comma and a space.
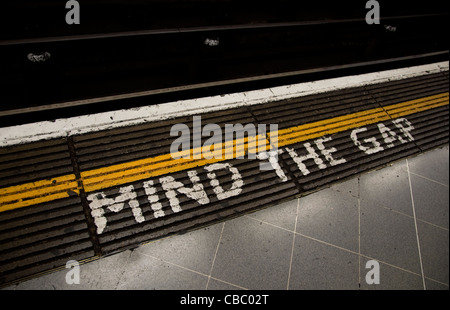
112, 105
158, 47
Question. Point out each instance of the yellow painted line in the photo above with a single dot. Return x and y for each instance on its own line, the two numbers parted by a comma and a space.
33, 201
150, 167
97, 179
37, 192
342, 123
330, 126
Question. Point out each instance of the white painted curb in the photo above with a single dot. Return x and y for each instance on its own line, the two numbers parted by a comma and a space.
126, 117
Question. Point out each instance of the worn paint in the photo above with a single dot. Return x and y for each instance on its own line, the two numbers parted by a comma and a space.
322, 158
101, 202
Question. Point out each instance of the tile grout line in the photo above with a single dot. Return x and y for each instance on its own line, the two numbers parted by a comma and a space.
412, 217
420, 155
393, 266
415, 225
335, 246
190, 270
215, 255
428, 179
293, 244
437, 281
119, 277
171, 263
229, 283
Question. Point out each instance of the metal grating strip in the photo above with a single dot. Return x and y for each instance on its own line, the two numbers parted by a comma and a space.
38, 238
36, 161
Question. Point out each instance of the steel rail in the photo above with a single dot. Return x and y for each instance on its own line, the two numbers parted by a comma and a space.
68, 104
198, 29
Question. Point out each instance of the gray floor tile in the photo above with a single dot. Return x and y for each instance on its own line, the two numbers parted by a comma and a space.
147, 273
330, 216
432, 164
434, 244
282, 215
349, 187
431, 201
391, 278
387, 188
104, 273
253, 255
194, 250
99, 274
435, 286
317, 266
52, 281
219, 285
389, 237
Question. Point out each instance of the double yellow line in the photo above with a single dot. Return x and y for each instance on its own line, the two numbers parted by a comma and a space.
33, 193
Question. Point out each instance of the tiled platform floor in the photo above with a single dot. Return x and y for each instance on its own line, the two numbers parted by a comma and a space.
398, 216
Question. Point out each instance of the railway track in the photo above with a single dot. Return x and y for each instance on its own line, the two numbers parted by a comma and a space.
52, 70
